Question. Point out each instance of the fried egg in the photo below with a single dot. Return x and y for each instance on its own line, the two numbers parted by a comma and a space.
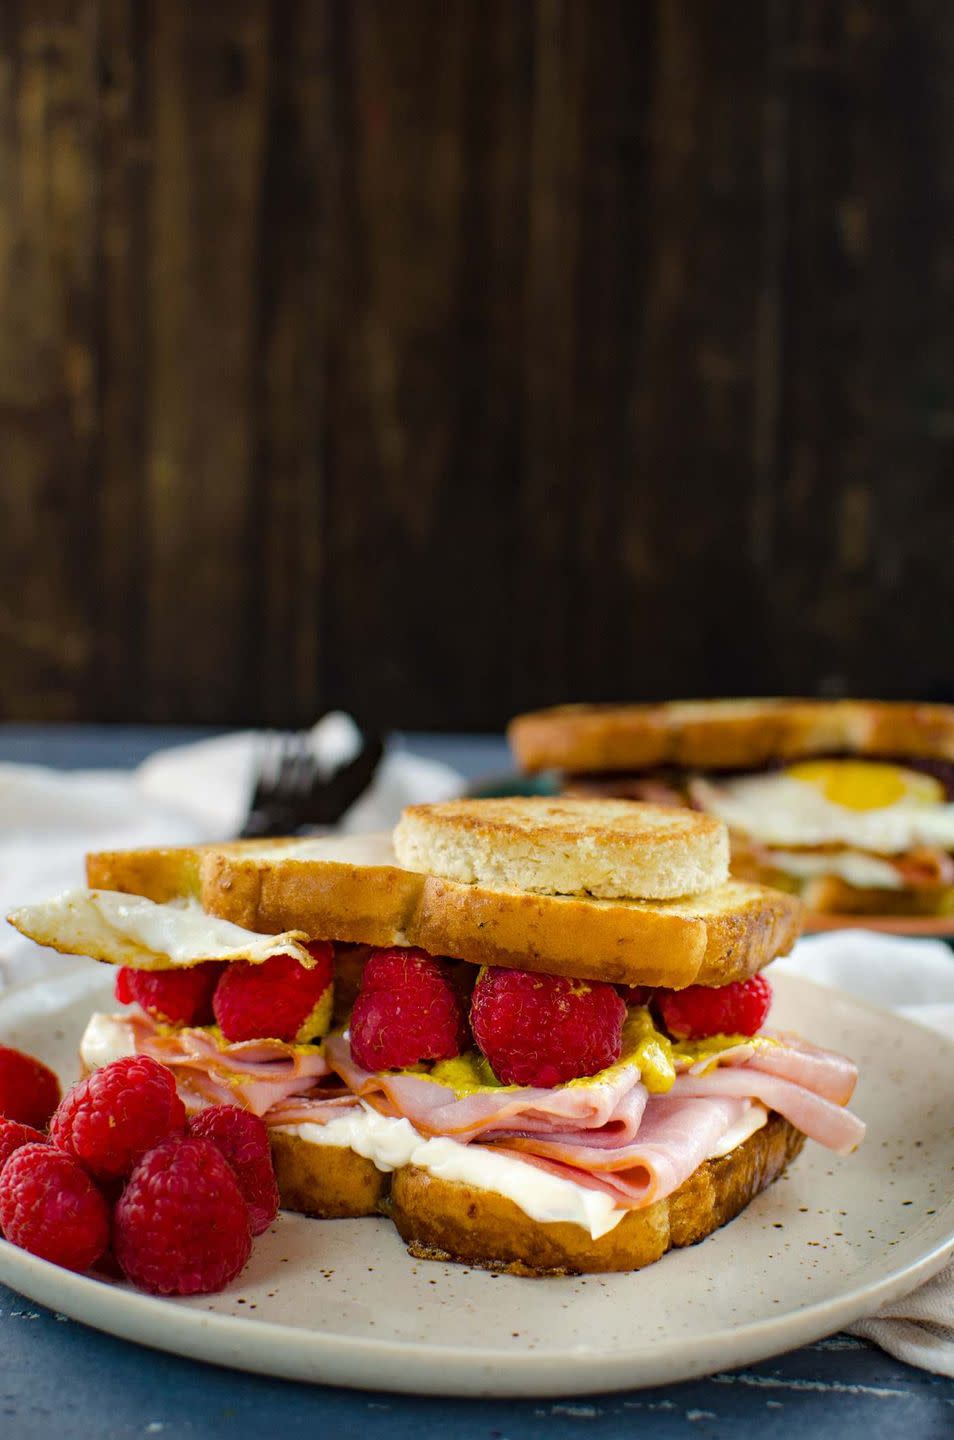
130, 930
867, 804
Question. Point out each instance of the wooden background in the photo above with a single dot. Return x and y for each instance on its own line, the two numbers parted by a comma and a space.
446, 357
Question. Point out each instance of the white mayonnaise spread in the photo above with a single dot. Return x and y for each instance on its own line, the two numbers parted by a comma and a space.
106, 1038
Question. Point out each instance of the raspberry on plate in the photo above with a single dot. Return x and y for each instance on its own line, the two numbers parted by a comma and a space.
29, 1091
410, 1008
50, 1206
543, 1030
108, 1121
175, 997
242, 1139
181, 1225
738, 1009
280, 999
13, 1135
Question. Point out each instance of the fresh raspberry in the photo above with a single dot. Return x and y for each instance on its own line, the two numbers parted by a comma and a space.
108, 1121
175, 997
242, 1139
281, 999
181, 1226
701, 1010
29, 1092
635, 994
13, 1135
410, 1008
544, 1029
50, 1206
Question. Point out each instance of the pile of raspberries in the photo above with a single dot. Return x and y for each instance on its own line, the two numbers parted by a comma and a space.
115, 1176
534, 1029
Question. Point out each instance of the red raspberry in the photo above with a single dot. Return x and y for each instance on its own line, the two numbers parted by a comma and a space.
701, 1010
635, 994
13, 1135
175, 997
181, 1226
109, 1121
29, 1092
544, 1029
50, 1206
242, 1139
409, 1009
281, 999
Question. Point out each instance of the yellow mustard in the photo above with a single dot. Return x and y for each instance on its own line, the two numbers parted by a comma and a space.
645, 1049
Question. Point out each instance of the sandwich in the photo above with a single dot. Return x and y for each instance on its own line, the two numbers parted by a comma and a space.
847, 804
534, 1033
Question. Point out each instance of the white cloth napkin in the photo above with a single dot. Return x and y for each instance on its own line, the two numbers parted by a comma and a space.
48, 819
916, 979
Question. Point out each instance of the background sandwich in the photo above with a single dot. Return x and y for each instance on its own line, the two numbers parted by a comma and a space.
507, 1051
845, 803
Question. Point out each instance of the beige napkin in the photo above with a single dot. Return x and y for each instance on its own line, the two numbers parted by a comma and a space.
916, 979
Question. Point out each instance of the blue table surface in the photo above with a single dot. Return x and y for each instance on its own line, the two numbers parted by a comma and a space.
60, 1379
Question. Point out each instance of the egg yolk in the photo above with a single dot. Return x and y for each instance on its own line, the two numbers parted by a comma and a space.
867, 784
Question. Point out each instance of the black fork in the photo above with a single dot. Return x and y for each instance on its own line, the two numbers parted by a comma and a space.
291, 792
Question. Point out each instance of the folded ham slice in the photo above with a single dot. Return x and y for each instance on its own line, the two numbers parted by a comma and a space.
674, 1138
317, 1108
824, 1072
831, 1125
613, 1106
256, 1074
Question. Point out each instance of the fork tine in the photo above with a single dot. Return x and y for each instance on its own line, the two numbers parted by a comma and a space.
266, 769
299, 768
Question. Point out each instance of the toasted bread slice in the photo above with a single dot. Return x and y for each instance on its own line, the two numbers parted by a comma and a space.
353, 889
445, 1220
612, 849
726, 734
329, 1181
724, 935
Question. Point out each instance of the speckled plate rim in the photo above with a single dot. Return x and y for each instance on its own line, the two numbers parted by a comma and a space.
418, 1367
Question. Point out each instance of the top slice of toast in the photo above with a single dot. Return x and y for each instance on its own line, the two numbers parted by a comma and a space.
610, 849
354, 888
726, 734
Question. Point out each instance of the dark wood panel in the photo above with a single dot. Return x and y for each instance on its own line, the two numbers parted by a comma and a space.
442, 359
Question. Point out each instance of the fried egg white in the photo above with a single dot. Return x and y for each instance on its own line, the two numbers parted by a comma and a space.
869, 805
130, 930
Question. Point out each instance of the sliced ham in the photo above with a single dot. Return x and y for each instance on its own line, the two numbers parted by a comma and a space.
317, 1108
831, 1125
255, 1059
256, 1074
674, 1138
826, 1073
614, 1106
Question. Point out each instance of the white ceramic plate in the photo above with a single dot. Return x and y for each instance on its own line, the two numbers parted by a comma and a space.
341, 1301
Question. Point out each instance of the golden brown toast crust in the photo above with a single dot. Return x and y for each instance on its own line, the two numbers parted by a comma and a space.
705, 941
445, 1220
328, 1181
713, 939
726, 734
